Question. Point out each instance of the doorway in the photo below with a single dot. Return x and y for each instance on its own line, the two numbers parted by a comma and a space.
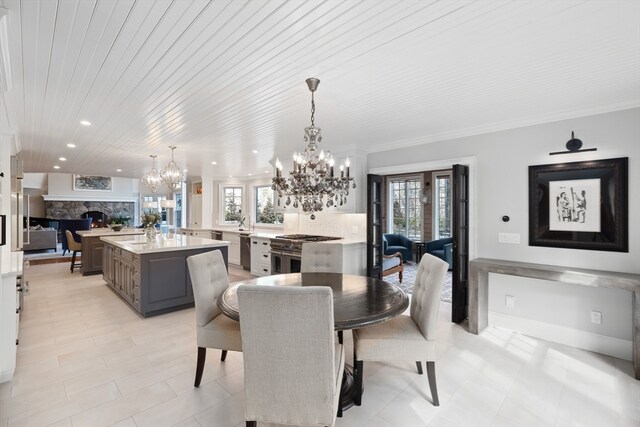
461, 182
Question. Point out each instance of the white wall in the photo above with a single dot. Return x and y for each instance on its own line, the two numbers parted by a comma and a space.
503, 159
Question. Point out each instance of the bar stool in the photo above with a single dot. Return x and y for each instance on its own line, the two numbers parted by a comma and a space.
75, 247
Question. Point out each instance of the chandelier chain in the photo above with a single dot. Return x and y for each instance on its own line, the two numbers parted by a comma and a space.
313, 111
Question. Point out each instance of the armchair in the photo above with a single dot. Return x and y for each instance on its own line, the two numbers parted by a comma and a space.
441, 248
393, 243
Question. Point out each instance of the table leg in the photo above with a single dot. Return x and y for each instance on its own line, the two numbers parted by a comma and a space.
348, 387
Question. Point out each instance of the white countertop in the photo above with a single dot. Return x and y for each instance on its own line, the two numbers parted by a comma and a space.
139, 245
109, 232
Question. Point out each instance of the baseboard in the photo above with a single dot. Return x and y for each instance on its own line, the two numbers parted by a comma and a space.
616, 347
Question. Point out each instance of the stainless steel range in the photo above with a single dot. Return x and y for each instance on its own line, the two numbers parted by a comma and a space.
286, 251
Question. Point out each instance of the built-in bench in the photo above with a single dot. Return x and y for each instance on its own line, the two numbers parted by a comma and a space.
479, 289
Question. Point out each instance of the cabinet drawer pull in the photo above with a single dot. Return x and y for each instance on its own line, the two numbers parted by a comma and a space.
265, 255
265, 270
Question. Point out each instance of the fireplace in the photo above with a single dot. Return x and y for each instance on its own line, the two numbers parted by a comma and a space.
98, 219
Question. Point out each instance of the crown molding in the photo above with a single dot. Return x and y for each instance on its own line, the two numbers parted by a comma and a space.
502, 126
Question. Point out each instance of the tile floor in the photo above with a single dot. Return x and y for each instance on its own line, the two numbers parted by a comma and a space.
86, 359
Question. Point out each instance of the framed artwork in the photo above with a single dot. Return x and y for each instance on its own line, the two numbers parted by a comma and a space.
580, 205
92, 183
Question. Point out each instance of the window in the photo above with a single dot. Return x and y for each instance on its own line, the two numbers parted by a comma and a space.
232, 204
442, 205
405, 198
178, 209
264, 213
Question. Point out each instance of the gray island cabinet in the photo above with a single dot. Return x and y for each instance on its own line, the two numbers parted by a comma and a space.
153, 277
92, 247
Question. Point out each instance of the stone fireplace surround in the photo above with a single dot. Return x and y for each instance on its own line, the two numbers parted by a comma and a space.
74, 209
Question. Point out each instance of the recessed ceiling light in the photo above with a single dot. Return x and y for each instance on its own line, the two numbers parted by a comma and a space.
185, 170
85, 123
56, 167
267, 171
62, 159
214, 163
255, 151
70, 145
249, 174
230, 176
118, 170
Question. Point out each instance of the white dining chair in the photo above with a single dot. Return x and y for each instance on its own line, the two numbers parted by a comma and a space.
209, 278
406, 337
292, 366
322, 257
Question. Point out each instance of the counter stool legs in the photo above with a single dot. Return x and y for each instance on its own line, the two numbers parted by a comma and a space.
73, 261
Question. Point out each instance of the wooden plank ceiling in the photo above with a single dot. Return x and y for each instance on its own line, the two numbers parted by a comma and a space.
220, 79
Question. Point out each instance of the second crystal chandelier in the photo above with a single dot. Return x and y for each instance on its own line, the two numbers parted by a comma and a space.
172, 175
312, 183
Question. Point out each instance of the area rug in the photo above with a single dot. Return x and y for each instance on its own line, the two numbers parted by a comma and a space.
409, 277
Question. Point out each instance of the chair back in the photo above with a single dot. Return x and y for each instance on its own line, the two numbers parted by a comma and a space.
288, 350
73, 225
425, 297
209, 278
321, 258
71, 242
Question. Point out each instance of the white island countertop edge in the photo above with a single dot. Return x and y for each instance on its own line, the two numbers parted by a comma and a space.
138, 244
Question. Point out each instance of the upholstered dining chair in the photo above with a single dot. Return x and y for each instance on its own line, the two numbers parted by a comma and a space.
321, 257
292, 366
406, 337
74, 247
209, 279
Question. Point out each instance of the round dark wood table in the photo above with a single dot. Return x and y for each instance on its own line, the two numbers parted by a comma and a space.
358, 301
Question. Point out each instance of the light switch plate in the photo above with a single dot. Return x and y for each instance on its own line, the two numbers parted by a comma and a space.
512, 238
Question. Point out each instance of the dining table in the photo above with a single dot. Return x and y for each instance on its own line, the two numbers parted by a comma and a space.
358, 302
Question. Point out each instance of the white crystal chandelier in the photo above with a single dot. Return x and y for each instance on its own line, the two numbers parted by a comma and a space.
312, 183
152, 178
172, 175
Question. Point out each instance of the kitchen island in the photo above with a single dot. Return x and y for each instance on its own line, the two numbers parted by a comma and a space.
152, 277
92, 247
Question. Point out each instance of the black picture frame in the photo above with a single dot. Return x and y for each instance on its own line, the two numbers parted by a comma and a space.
608, 233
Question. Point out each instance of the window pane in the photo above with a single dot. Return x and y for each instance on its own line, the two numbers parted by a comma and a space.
407, 215
264, 207
443, 208
232, 204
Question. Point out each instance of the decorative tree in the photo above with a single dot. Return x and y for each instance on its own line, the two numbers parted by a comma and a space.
233, 212
266, 214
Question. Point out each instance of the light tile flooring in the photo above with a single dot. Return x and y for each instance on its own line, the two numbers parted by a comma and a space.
86, 359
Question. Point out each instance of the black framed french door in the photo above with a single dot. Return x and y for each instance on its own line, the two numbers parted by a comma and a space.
460, 228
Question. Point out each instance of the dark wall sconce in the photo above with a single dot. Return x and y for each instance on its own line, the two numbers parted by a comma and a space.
573, 146
426, 193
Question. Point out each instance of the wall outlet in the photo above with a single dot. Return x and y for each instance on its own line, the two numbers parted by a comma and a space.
596, 317
354, 229
509, 301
